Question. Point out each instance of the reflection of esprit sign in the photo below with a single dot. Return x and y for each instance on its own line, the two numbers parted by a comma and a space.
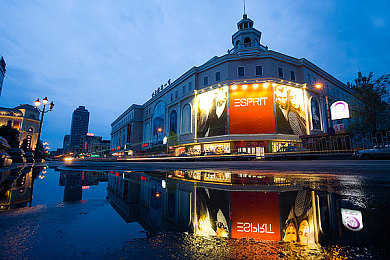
246, 102
352, 219
247, 227
339, 110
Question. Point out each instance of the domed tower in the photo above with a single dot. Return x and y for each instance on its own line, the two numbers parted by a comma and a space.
246, 36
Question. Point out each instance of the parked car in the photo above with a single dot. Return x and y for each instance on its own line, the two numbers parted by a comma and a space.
17, 155
29, 157
378, 152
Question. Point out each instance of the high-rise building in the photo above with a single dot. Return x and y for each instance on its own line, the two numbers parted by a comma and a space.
2, 72
79, 128
66, 143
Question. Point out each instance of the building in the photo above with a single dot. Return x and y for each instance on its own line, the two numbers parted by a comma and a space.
94, 145
251, 99
79, 128
66, 144
25, 119
2, 72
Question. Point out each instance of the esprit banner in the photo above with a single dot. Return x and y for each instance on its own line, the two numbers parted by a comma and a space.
251, 109
255, 215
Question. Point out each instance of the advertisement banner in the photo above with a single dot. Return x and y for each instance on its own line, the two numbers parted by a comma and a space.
339, 110
212, 113
255, 215
251, 109
290, 110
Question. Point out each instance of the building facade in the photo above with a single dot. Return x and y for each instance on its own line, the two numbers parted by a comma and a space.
79, 128
25, 119
2, 72
94, 145
251, 99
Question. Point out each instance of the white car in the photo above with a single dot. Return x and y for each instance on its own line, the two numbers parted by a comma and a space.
378, 152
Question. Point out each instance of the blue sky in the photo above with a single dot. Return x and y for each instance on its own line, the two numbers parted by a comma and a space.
107, 55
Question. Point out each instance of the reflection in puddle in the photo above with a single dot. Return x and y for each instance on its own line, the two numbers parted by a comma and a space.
221, 214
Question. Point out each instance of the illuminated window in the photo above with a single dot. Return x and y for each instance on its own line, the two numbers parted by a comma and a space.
206, 81
241, 71
292, 75
259, 70
218, 76
280, 72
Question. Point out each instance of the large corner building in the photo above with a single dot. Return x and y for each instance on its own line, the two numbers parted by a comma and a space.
251, 99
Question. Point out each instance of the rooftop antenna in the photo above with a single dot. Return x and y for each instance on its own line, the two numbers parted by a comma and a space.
244, 7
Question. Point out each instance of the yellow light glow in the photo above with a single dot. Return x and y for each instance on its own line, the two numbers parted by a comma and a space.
274, 84
37, 103
233, 87
318, 86
266, 85
244, 87
255, 86
45, 100
68, 159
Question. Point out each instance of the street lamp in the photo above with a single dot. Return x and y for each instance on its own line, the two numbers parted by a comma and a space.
319, 86
43, 111
161, 130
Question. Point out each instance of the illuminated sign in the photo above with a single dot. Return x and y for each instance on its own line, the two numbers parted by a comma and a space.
90, 134
145, 144
339, 110
352, 219
85, 187
118, 147
251, 109
165, 140
255, 215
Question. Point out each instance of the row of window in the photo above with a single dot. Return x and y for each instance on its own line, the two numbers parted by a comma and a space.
241, 73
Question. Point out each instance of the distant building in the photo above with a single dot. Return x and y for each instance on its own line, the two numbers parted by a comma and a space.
25, 119
94, 144
2, 72
79, 128
66, 144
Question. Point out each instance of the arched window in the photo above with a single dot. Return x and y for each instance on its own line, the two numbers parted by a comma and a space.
247, 42
256, 42
238, 44
186, 119
158, 122
173, 122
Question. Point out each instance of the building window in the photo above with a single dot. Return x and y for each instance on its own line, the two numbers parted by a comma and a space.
175, 94
218, 76
206, 81
292, 74
259, 70
190, 86
241, 71
172, 97
184, 89
280, 72
186, 119
247, 42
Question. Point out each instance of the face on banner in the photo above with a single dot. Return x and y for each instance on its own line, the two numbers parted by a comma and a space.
255, 215
315, 114
251, 109
289, 110
212, 113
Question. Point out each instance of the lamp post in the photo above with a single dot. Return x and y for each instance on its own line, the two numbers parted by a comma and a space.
43, 112
161, 130
319, 86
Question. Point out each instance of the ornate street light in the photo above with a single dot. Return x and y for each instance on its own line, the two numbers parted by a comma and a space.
162, 130
43, 111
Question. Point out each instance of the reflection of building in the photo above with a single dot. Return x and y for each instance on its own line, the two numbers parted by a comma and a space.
25, 119
251, 99
2, 72
76, 181
79, 128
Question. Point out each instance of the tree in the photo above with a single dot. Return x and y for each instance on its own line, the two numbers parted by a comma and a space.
373, 112
10, 134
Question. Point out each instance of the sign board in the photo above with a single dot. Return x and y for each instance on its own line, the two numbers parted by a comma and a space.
165, 140
339, 110
339, 127
352, 219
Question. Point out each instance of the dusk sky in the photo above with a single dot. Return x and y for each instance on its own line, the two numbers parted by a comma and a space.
107, 55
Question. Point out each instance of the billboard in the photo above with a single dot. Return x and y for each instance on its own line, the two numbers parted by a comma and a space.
255, 215
315, 114
339, 110
212, 113
251, 109
289, 110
